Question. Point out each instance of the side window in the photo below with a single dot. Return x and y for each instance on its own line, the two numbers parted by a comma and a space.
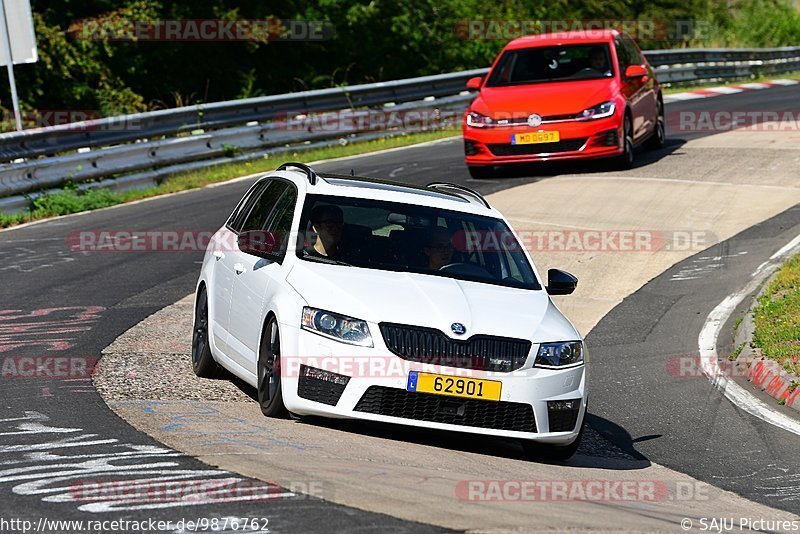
634, 54
263, 206
236, 219
280, 221
623, 56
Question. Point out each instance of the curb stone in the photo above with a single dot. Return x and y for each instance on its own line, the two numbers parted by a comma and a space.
763, 373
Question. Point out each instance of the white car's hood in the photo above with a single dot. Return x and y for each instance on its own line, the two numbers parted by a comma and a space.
431, 301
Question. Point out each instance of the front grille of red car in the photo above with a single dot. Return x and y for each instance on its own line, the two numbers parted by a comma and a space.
523, 121
567, 145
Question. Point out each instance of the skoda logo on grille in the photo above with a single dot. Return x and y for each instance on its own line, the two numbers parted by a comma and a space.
458, 329
534, 120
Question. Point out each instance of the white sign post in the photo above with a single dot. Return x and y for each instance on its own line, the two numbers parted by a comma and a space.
17, 43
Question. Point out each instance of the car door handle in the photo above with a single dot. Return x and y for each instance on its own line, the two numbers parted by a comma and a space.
219, 254
239, 268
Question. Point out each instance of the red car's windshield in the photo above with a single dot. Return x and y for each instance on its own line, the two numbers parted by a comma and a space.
552, 63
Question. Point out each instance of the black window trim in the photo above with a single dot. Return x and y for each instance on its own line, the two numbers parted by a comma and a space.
244, 203
247, 197
277, 258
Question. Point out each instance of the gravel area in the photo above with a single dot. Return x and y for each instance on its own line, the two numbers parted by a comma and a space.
152, 361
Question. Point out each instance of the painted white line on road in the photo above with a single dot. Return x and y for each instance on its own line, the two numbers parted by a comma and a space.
786, 248
707, 342
725, 90
754, 85
683, 96
784, 82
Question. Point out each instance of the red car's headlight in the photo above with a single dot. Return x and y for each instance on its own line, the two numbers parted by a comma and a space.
476, 120
600, 111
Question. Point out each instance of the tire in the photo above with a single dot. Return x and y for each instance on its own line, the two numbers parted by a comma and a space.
203, 363
481, 172
659, 137
270, 393
625, 160
555, 453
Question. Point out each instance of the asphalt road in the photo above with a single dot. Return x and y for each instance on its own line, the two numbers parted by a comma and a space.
677, 418
58, 438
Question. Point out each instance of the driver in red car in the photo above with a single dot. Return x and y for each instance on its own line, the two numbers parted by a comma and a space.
599, 62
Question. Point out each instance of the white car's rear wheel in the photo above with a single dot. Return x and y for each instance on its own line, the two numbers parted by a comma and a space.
203, 363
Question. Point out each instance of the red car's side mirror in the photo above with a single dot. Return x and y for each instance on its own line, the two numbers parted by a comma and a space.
636, 71
474, 83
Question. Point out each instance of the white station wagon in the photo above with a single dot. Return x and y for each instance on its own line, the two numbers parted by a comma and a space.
348, 297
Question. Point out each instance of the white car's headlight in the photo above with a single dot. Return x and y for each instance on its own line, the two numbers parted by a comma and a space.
600, 111
559, 354
335, 326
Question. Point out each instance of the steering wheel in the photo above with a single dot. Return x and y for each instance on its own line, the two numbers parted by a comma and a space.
466, 269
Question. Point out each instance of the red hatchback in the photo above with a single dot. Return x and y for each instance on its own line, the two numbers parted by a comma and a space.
573, 95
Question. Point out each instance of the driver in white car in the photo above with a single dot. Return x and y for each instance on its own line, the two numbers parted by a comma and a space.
439, 249
327, 221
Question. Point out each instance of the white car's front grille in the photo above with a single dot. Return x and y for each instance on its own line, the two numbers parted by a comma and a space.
479, 352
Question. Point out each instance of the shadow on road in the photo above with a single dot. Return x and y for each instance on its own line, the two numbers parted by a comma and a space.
605, 444
595, 451
547, 169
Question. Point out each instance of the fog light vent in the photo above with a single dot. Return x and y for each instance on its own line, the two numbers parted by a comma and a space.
563, 414
321, 386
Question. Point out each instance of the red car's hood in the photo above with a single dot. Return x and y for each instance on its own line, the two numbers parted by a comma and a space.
555, 98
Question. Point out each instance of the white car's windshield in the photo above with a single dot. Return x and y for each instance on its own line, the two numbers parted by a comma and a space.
551, 64
404, 237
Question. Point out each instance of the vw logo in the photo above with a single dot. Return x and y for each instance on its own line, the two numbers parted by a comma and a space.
458, 329
534, 120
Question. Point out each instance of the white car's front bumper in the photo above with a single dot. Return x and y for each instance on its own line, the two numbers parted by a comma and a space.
377, 366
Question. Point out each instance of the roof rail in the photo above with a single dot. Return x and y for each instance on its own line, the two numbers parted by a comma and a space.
312, 176
460, 190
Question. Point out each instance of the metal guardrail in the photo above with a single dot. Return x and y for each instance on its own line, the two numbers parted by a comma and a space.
142, 148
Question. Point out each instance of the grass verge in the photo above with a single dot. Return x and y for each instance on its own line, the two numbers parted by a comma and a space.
777, 318
71, 200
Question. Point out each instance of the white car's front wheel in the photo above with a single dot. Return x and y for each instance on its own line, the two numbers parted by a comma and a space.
270, 396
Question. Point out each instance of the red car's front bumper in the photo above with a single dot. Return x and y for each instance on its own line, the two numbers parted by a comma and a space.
578, 140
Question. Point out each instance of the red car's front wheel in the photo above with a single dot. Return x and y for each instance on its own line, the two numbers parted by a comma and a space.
625, 160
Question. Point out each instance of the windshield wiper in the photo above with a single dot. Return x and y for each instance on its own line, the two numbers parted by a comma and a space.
323, 259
